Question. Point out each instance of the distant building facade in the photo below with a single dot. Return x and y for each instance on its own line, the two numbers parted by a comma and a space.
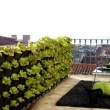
7, 41
26, 38
14, 37
13, 40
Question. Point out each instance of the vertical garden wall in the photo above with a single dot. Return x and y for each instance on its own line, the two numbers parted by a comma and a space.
26, 72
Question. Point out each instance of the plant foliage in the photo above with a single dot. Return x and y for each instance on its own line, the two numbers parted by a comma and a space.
13, 90
6, 94
6, 80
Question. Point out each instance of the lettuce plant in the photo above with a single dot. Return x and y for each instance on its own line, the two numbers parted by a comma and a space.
39, 78
7, 65
20, 99
15, 63
13, 90
36, 68
35, 91
30, 81
32, 47
22, 46
23, 74
30, 71
14, 103
28, 94
24, 61
6, 94
15, 76
6, 107
17, 50
31, 57
40, 88
21, 87
6, 80
8, 51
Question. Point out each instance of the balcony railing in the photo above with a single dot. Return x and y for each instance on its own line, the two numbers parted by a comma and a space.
91, 52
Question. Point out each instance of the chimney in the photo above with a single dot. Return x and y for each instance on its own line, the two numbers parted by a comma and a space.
14, 37
26, 38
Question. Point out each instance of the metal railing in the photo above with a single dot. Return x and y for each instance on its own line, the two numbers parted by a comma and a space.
91, 51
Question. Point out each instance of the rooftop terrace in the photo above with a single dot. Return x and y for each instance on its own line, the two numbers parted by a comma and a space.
48, 101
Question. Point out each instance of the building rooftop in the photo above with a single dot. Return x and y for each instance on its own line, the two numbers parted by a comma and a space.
7, 41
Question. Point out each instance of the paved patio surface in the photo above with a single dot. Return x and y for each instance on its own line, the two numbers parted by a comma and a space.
47, 102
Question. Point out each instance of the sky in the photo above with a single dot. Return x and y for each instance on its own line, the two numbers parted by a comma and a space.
77, 19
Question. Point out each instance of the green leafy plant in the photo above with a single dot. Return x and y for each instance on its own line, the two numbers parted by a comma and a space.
39, 78
56, 57
24, 61
6, 65
46, 74
35, 91
28, 94
40, 88
6, 80
30, 58
47, 63
36, 68
8, 50
21, 87
15, 63
6, 94
20, 99
13, 90
30, 71
30, 81
32, 47
15, 76
17, 50
14, 103
21, 46
105, 86
6, 107
44, 43
23, 74
47, 84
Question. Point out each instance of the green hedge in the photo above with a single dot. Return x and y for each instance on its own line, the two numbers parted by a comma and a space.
28, 71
